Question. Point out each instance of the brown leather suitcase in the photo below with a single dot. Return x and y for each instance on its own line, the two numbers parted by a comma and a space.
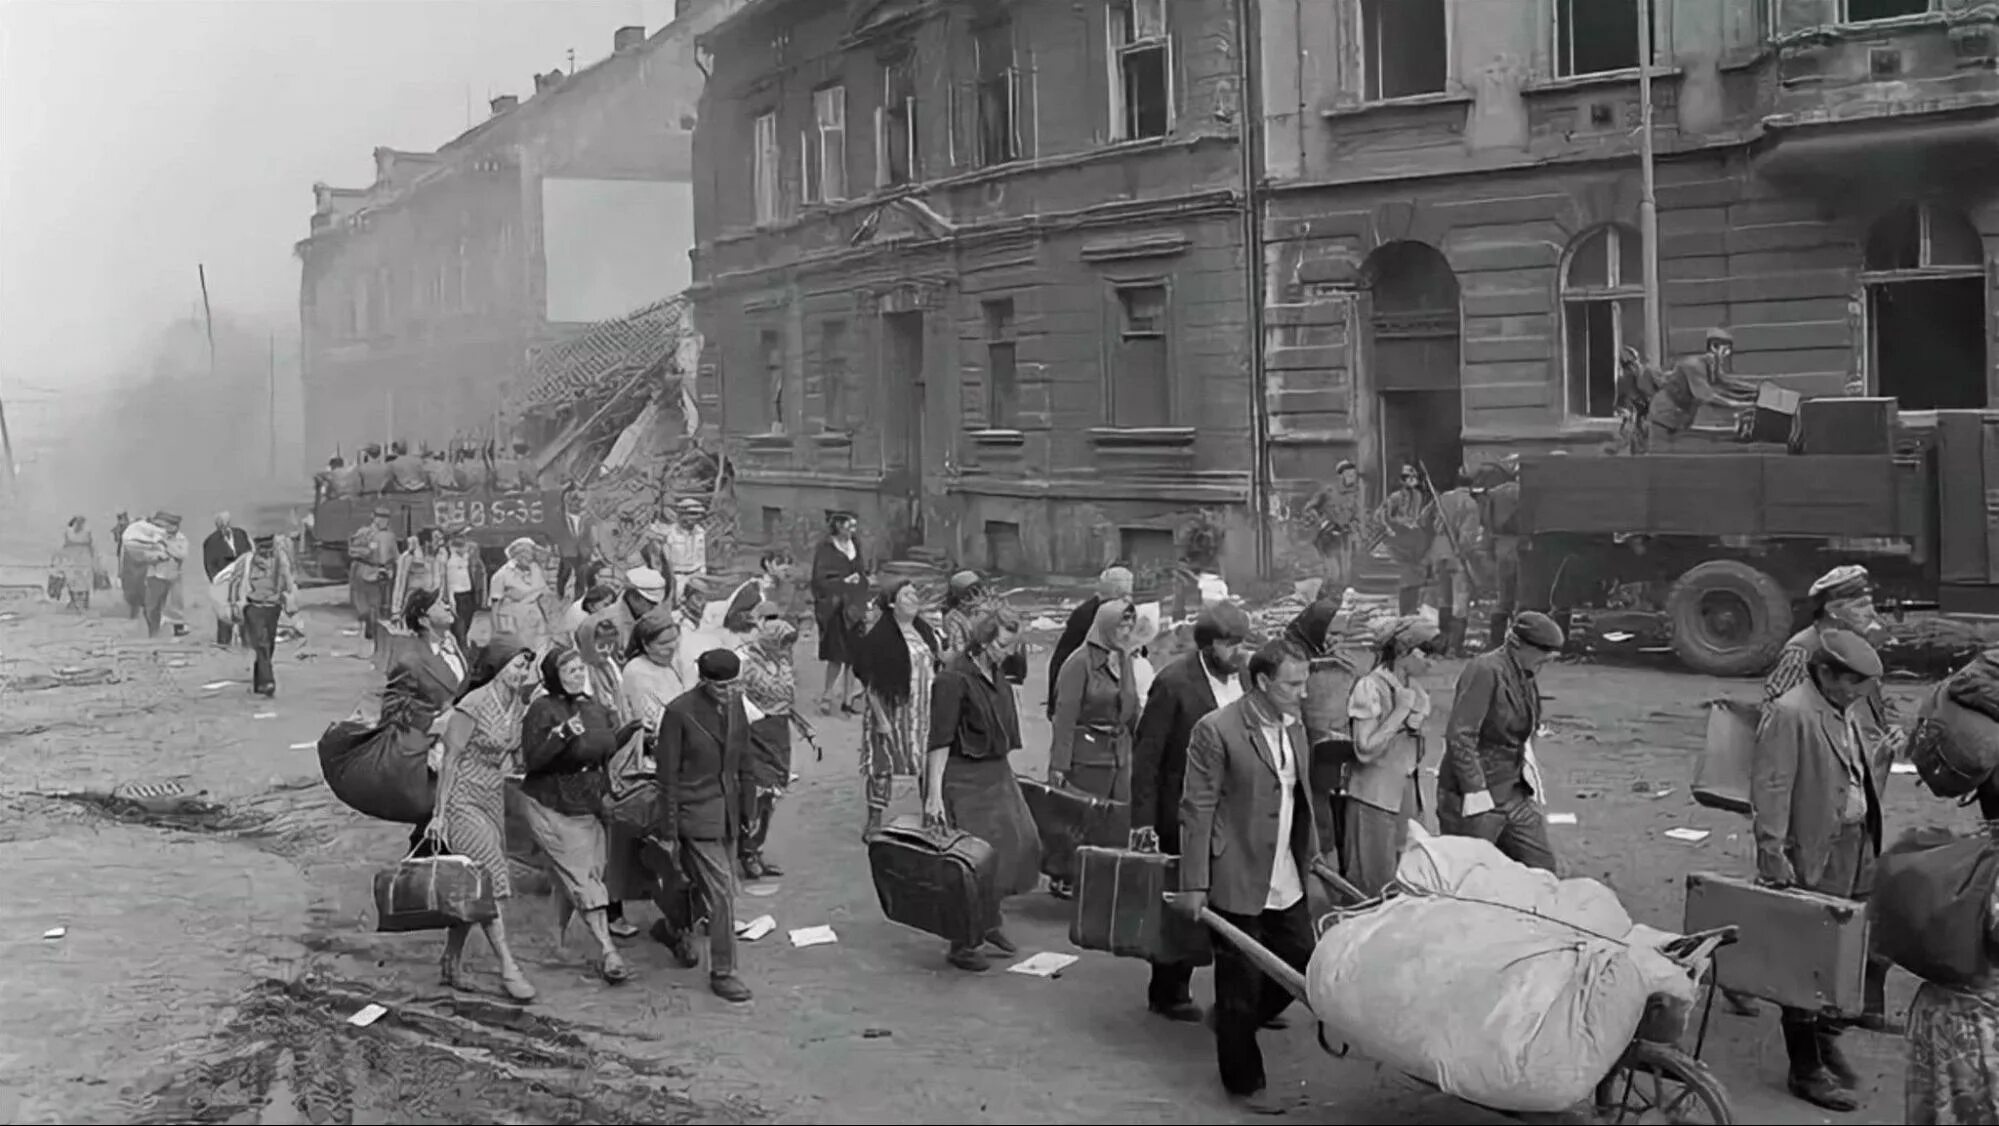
1066, 820
1797, 948
1121, 908
939, 881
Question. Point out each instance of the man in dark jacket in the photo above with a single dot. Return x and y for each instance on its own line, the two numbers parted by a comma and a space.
219, 550
702, 752
1183, 692
1489, 784
1114, 583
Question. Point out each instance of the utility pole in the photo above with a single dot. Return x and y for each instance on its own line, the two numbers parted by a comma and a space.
7, 448
208, 318
1648, 201
273, 399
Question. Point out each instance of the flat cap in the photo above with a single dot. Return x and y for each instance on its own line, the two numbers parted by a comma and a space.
1850, 651
719, 666
964, 580
1531, 627
383, 510
1847, 581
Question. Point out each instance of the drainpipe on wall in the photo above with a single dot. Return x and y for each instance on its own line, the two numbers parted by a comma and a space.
1648, 200
1249, 48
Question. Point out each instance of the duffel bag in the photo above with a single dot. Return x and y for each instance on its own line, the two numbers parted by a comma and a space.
1932, 906
1953, 747
427, 893
382, 770
631, 787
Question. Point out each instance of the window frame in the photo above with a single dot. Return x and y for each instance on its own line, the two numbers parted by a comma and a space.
1615, 291
1846, 19
1118, 314
1001, 334
1009, 77
1370, 67
816, 166
1118, 48
884, 163
1562, 73
766, 169
774, 377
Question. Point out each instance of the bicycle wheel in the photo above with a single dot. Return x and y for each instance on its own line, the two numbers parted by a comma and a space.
1655, 1083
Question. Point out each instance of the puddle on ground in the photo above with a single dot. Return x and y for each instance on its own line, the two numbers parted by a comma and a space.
289, 1056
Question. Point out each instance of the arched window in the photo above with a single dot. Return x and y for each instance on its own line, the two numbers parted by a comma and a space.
1603, 309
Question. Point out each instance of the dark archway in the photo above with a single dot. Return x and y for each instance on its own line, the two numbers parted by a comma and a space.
1415, 356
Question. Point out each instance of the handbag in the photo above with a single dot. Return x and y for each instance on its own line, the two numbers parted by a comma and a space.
631, 787
426, 893
56, 584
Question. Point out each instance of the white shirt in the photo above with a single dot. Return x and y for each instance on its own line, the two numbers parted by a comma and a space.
458, 574
1287, 885
686, 549
447, 651
1227, 690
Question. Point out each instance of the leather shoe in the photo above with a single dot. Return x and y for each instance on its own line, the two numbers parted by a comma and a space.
771, 871
970, 960
1820, 1089
1000, 942
729, 988
1186, 1012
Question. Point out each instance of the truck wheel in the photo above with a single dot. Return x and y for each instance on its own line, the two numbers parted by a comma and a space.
1728, 618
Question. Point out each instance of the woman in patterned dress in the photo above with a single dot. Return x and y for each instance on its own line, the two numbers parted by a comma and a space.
1953, 1033
482, 736
898, 664
517, 590
770, 684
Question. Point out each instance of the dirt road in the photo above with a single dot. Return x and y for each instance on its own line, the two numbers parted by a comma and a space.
207, 959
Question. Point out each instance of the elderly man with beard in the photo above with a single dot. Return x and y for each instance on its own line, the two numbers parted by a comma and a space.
1182, 694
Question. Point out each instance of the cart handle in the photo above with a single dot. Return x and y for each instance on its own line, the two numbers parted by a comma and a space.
1277, 968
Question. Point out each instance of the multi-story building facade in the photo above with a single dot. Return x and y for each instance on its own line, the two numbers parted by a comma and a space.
424, 295
1453, 206
974, 270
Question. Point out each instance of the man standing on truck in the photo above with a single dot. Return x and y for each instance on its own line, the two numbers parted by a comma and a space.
374, 474
405, 472
441, 474
1637, 383
371, 555
1694, 381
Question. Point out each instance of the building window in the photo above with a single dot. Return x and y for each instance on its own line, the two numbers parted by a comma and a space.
1926, 312
1141, 70
1603, 310
1141, 373
824, 152
770, 349
1595, 36
999, 83
765, 178
1868, 11
895, 125
833, 375
1002, 386
1407, 46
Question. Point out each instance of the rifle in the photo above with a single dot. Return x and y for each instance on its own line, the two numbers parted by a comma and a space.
1450, 532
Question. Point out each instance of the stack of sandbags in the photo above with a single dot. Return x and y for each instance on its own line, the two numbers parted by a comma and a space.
1955, 745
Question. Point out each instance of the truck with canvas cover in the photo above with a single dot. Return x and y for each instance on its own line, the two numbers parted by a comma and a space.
493, 518
1714, 551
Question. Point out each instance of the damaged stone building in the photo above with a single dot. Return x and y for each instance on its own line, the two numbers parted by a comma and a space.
425, 295
1451, 219
974, 271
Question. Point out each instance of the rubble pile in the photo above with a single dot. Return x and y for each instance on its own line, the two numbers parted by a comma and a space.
645, 491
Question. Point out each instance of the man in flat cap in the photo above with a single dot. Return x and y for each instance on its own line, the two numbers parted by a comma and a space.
1694, 381
1817, 804
706, 786
1489, 783
371, 569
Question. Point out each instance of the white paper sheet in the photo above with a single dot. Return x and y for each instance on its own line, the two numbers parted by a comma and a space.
1045, 964
813, 936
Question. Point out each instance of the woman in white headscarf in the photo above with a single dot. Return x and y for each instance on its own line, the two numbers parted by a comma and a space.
517, 595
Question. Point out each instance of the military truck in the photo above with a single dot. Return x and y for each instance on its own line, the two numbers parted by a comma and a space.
1716, 550
494, 519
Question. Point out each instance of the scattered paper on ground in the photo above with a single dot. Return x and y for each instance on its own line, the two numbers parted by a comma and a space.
1561, 819
265, 715
1903, 768
215, 684
762, 889
55, 932
304, 746
813, 936
368, 1015
1689, 836
756, 928
1620, 636
1045, 964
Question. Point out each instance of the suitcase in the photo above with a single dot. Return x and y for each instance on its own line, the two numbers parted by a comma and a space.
1795, 947
1121, 908
1842, 424
939, 881
1721, 774
1067, 820
1775, 418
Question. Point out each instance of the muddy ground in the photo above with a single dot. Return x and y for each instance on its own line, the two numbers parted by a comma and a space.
208, 958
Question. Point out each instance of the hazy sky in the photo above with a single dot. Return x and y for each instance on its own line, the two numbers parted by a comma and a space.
139, 137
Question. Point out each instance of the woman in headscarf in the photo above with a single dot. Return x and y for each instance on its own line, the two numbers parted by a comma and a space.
839, 606
1386, 712
481, 737
517, 591
651, 677
76, 562
421, 566
1096, 713
770, 685
970, 786
898, 664
603, 661
565, 740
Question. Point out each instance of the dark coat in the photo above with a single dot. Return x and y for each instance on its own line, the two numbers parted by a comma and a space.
1179, 698
705, 768
221, 548
1074, 633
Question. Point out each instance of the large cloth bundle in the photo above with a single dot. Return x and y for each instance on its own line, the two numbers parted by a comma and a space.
1497, 983
143, 542
382, 770
1955, 744
1976, 685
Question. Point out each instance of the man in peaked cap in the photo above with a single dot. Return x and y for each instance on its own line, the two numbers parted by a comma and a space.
371, 569
1816, 793
1488, 781
1695, 380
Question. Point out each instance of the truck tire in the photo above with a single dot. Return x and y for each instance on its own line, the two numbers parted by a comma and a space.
1728, 618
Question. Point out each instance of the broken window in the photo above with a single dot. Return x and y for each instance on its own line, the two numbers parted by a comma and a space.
824, 151
1141, 372
1924, 276
1141, 69
895, 125
999, 80
771, 348
1867, 11
1002, 388
1595, 36
767, 157
1408, 48
1603, 311
833, 374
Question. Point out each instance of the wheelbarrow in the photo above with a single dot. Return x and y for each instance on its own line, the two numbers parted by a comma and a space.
1655, 1080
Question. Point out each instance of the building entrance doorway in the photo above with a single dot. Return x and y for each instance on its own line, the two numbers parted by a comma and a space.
1926, 310
1415, 354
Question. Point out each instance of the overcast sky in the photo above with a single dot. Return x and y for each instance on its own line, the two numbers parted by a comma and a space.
139, 137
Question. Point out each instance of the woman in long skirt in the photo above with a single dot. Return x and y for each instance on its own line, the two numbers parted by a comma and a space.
1386, 712
770, 684
76, 561
839, 607
974, 727
898, 665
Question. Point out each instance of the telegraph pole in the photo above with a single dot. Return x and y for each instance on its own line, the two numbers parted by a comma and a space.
273, 400
1648, 202
207, 317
